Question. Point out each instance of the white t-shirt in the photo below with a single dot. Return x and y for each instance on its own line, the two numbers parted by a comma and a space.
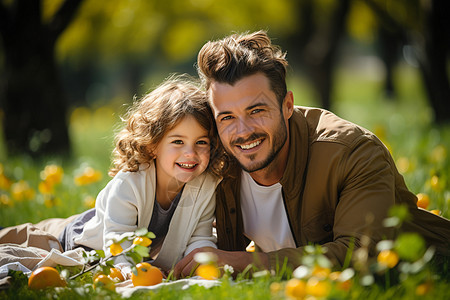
264, 215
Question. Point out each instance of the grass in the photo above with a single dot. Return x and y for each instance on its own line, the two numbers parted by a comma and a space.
404, 124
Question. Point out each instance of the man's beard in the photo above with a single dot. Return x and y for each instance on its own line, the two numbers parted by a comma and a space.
279, 139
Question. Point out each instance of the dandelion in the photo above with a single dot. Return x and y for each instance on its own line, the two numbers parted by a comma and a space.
295, 289
275, 288
51, 201
317, 288
45, 188
403, 164
320, 272
88, 176
5, 183
52, 174
89, 201
388, 258
5, 200
21, 190
435, 182
115, 249
423, 288
438, 154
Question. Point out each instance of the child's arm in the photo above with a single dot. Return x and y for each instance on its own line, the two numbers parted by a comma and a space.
202, 235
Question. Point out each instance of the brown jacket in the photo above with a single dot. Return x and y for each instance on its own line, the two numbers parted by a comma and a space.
338, 185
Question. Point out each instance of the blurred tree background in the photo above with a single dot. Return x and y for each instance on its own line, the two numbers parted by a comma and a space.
59, 54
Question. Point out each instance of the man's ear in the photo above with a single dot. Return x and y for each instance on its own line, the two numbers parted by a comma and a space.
288, 105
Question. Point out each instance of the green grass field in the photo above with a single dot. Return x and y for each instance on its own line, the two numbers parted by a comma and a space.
404, 124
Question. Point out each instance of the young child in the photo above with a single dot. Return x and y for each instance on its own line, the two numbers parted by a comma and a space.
166, 168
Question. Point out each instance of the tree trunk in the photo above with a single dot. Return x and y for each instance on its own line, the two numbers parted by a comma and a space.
320, 53
35, 108
434, 61
34, 103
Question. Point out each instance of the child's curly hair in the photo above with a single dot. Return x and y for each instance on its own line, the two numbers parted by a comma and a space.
150, 118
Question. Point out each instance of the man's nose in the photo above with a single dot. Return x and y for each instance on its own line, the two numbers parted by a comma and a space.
244, 127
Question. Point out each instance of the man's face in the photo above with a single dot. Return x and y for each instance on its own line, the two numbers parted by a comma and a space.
251, 125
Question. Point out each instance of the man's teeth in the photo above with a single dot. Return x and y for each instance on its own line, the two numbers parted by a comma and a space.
252, 145
187, 166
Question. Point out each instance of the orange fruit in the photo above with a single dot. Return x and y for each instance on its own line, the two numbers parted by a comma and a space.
115, 249
103, 281
44, 277
208, 272
116, 274
295, 288
423, 200
387, 258
146, 275
142, 240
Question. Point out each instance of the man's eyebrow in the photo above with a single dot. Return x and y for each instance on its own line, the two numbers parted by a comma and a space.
250, 107
223, 113
256, 105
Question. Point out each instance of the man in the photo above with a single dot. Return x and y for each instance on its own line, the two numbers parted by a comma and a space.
302, 175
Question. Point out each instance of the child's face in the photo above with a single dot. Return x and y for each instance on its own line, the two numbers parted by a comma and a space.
183, 153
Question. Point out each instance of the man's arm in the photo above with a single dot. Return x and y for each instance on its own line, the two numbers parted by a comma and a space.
239, 260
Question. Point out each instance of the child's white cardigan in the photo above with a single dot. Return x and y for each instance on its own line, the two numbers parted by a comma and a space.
131, 195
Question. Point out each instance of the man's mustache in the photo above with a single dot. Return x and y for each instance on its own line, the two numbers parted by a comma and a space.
250, 138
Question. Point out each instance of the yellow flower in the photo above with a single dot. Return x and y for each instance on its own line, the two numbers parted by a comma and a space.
89, 201
423, 288
51, 201
388, 258
53, 174
438, 154
5, 200
435, 183
320, 272
5, 183
295, 289
317, 288
142, 240
115, 249
45, 188
21, 191
403, 164
88, 176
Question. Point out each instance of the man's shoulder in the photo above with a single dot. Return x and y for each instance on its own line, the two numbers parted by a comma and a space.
325, 126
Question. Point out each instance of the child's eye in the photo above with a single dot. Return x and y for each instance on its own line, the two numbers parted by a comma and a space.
178, 142
202, 142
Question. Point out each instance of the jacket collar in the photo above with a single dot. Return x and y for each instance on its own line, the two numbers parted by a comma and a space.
293, 179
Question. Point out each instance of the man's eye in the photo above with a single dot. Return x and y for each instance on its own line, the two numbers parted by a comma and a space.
226, 118
255, 111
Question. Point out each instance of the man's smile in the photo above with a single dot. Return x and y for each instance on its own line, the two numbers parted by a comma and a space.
250, 145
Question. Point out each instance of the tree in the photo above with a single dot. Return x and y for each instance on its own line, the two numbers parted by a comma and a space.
428, 31
34, 104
